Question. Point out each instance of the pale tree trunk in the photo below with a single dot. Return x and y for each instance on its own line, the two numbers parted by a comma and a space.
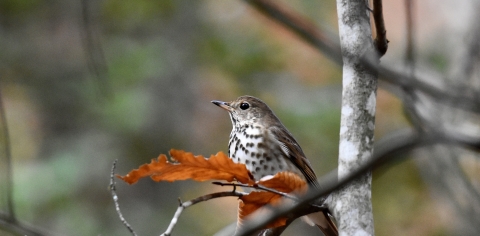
352, 205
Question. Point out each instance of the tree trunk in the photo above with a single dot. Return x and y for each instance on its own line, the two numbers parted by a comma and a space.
352, 205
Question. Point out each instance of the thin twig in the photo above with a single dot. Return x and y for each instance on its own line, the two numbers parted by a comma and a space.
259, 187
381, 41
308, 209
409, 56
115, 199
186, 204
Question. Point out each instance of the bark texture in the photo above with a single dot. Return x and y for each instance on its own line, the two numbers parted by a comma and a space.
352, 205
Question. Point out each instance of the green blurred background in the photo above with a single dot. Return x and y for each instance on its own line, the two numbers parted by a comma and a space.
132, 79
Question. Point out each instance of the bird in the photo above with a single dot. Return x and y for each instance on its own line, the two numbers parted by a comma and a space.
261, 142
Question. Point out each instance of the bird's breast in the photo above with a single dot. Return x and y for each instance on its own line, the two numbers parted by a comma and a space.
253, 146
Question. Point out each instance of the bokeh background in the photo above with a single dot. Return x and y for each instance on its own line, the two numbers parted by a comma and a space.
87, 82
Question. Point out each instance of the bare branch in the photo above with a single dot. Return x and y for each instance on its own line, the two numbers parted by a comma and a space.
115, 199
186, 204
381, 41
409, 57
259, 187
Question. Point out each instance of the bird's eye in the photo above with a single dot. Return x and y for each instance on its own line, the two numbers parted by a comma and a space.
244, 106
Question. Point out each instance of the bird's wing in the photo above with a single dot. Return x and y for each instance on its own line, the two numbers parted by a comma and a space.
294, 152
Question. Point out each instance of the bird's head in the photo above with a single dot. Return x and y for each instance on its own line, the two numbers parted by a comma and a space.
247, 109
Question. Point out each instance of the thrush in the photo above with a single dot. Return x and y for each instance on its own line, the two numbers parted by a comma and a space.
261, 142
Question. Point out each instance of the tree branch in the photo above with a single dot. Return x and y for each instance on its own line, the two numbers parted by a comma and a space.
409, 57
381, 41
192, 202
115, 199
258, 187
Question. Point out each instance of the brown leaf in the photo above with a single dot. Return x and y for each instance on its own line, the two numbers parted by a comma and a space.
198, 168
220, 167
286, 182
255, 201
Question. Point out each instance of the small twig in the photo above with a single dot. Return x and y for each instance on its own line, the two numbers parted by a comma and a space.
186, 204
261, 187
257, 186
409, 57
115, 199
381, 41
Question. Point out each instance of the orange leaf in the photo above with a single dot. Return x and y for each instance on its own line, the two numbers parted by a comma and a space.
255, 201
285, 182
198, 168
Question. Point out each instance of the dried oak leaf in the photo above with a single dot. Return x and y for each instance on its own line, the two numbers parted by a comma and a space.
286, 182
188, 166
255, 201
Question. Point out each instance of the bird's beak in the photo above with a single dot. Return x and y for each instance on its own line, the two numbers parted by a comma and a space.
224, 105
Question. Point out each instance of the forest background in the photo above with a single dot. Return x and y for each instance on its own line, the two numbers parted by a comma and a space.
86, 82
